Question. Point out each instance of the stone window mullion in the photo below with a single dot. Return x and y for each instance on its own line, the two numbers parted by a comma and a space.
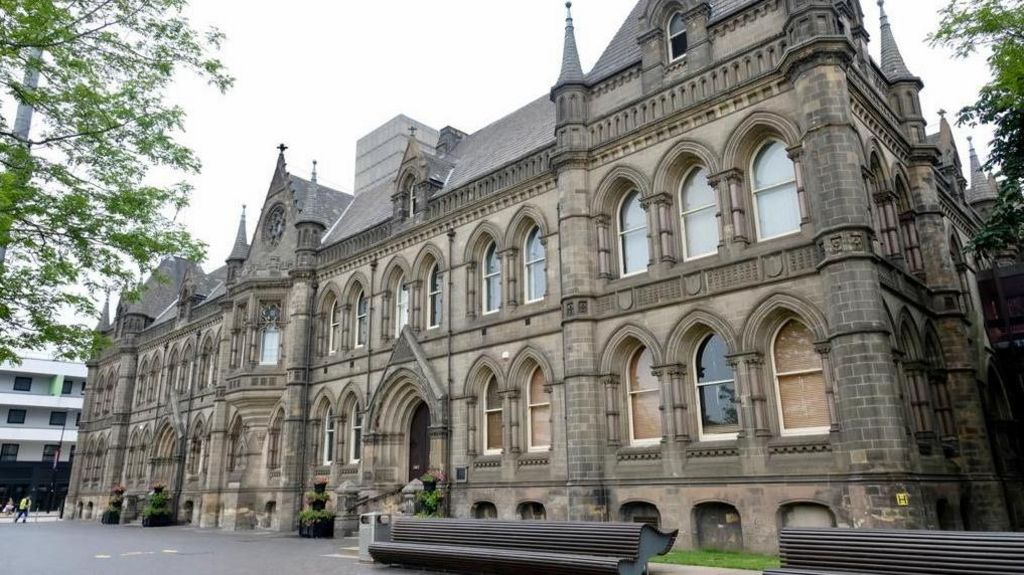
471, 427
668, 423
416, 298
680, 407
737, 203
385, 316
511, 272
650, 206
613, 408
472, 281
825, 351
346, 327
801, 192
603, 247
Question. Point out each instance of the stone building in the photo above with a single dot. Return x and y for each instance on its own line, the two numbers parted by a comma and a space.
716, 283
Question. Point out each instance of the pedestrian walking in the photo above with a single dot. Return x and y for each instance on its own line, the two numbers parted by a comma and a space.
9, 507
23, 508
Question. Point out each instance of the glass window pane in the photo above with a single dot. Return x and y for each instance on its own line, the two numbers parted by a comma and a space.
493, 399
271, 341
778, 211
794, 349
537, 394
491, 261
640, 376
537, 282
701, 233
493, 293
718, 408
494, 442
711, 362
772, 166
632, 214
677, 25
803, 401
679, 46
534, 247
540, 426
646, 415
697, 193
635, 256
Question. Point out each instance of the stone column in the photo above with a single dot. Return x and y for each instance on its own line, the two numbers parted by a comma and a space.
511, 273
604, 259
654, 246
680, 399
612, 402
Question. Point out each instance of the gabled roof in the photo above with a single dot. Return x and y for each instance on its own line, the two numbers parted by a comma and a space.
317, 202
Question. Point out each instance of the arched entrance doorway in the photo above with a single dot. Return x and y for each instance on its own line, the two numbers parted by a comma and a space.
419, 442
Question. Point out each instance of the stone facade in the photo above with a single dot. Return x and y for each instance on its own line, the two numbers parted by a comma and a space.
489, 283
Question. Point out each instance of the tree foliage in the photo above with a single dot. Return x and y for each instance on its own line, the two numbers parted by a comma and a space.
998, 26
78, 211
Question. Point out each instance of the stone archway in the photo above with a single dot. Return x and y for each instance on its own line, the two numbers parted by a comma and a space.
406, 436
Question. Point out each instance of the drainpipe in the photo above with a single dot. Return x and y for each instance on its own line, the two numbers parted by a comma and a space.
303, 450
565, 407
448, 437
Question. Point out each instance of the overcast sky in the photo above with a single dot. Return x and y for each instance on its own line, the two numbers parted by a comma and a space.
318, 75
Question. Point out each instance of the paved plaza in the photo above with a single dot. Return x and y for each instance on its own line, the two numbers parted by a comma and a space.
88, 548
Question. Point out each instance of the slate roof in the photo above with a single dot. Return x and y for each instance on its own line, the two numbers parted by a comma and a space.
161, 288
624, 51
317, 201
524, 131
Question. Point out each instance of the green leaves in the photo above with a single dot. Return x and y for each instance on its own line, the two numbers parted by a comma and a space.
78, 211
999, 26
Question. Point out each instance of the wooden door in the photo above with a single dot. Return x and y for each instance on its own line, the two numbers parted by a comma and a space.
419, 442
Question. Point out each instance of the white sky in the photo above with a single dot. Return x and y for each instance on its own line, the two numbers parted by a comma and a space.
318, 75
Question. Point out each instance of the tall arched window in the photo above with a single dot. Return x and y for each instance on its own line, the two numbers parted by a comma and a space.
434, 298
716, 389
492, 279
633, 249
362, 320
775, 194
270, 341
328, 450
274, 442
356, 435
536, 277
401, 306
799, 381
409, 188
644, 399
698, 215
539, 403
334, 333
493, 443
677, 37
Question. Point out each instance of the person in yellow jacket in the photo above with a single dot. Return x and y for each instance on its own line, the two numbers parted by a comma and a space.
23, 508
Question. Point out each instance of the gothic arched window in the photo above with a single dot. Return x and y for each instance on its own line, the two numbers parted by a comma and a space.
698, 215
401, 306
328, 454
356, 435
633, 249
677, 37
536, 278
775, 194
716, 389
644, 399
799, 381
434, 297
493, 425
362, 319
492, 279
539, 403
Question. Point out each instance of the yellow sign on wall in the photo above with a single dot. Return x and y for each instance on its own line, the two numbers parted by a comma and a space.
903, 499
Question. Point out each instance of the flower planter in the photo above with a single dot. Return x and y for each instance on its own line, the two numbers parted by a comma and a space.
110, 517
318, 530
156, 521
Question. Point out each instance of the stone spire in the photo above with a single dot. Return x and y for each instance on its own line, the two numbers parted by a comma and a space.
981, 186
104, 323
241, 248
572, 71
892, 61
312, 206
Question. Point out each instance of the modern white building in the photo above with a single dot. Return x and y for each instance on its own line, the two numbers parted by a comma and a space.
40, 408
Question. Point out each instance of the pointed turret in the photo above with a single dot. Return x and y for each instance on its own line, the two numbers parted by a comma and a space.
981, 186
892, 61
312, 205
572, 71
241, 248
104, 323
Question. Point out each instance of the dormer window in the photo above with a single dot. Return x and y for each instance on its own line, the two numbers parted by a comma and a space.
408, 190
677, 37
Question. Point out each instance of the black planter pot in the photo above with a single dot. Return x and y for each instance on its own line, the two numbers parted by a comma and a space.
317, 530
429, 486
110, 517
156, 520
158, 489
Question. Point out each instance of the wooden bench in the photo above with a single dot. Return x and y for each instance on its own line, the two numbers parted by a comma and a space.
897, 552
519, 547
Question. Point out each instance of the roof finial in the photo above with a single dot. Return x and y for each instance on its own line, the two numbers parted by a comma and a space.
412, 131
313, 177
881, 10
942, 113
572, 71
281, 148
